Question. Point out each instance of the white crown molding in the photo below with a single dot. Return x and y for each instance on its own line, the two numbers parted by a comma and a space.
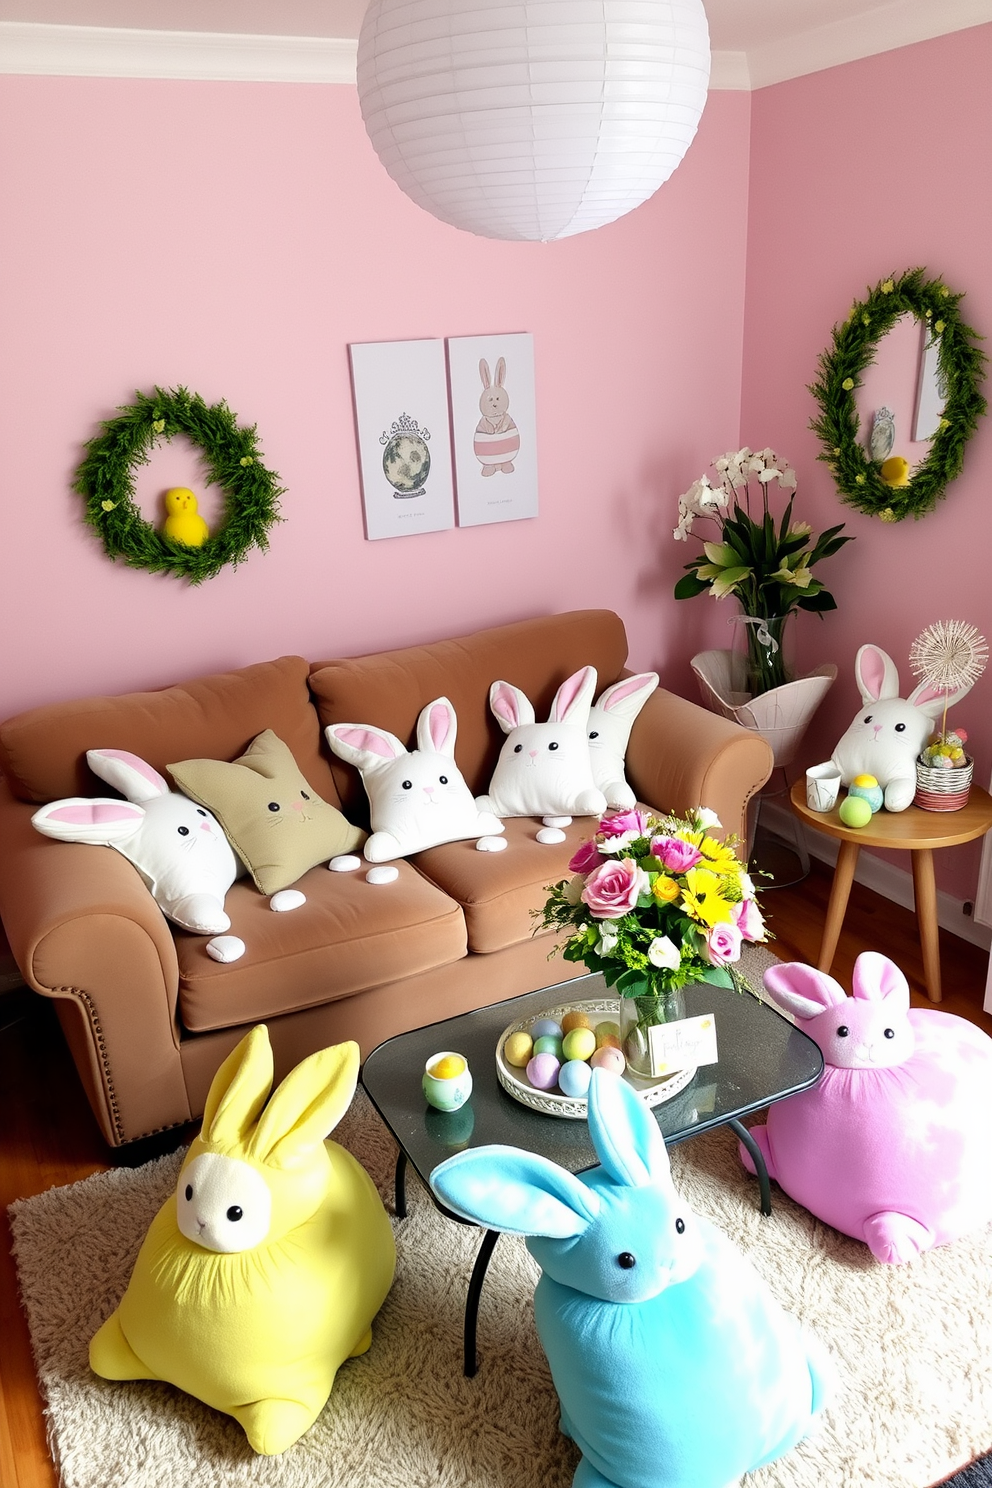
205, 56
896, 24
104, 51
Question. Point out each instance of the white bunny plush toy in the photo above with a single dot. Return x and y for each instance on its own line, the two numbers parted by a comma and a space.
545, 768
674, 1364
889, 731
418, 798
611, 719
178, 847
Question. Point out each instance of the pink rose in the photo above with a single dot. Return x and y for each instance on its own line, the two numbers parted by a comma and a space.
612, 890
677, 856
748, 919
723, 945
624, 821
585, 858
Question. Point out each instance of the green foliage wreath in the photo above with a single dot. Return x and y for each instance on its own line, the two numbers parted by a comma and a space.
961, 366
106, 479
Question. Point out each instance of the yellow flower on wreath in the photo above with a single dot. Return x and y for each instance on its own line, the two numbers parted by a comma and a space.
703, 898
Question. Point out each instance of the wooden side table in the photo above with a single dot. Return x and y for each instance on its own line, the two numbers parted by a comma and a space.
918, 832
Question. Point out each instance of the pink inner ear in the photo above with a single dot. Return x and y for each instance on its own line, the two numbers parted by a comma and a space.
927, 694
504, 705
94, 815
872, 672
623, 690
438, 720
366, 739
567, 694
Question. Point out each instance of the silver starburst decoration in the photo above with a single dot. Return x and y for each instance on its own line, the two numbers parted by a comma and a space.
949, 655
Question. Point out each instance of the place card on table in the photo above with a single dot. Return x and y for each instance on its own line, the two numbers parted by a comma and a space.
685, 1044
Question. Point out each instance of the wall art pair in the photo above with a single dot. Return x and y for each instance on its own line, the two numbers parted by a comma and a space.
437, 419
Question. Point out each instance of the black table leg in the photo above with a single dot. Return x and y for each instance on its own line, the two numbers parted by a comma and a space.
758, 1158
399, 1203
472, 1300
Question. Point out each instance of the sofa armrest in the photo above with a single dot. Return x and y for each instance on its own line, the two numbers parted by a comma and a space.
85, 931
680, 755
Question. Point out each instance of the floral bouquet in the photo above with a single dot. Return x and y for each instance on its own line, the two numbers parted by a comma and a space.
766, 563
656, 903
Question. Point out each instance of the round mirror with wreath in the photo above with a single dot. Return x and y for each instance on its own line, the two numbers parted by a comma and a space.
867, 483
231, 458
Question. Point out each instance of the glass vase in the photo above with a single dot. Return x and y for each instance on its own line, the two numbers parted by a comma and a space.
637, 1016
765, 661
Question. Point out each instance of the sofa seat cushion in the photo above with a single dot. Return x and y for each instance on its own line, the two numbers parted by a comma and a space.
350, 935
497, 891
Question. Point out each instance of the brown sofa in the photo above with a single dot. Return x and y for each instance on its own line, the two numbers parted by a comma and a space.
148, 1016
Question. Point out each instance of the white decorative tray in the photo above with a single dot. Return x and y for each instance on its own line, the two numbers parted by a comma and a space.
553, 1102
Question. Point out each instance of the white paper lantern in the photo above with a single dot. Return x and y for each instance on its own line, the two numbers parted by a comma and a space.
532, 120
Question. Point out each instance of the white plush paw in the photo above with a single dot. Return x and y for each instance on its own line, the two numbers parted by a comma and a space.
557, 821
490, 844
551, 835
225, 948
201, 913
287, 899
382, 846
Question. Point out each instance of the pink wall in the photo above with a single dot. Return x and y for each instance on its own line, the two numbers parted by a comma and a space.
856, 173
234, 238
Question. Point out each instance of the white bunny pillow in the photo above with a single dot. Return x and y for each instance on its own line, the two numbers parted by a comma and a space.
889, 731
178, 847
418, 799
545, 769
611, 719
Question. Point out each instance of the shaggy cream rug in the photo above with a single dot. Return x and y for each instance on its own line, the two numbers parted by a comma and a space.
912, 1345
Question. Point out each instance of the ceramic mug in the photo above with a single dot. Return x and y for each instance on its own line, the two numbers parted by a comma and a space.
822, 786
444, 1091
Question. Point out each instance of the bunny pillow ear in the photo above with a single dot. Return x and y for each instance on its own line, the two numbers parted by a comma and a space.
876, 674
238, 1091
437, 727
574, 698
877, 979
625, 699
518, 1193
127, 773
932, 701
625, 1134
511, 708
367, 748
102, 823
306, 1106
802, 990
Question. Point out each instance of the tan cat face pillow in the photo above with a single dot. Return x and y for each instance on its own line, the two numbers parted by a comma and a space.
273, 818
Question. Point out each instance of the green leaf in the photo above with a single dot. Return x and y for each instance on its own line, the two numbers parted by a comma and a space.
718, 976
817, 602
689, 586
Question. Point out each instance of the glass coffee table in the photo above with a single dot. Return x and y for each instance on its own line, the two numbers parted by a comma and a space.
763, 1059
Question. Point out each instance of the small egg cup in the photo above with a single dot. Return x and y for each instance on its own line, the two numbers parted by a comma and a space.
449, 1094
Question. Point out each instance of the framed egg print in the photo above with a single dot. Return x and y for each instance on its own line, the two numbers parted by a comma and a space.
404, 439
493, 427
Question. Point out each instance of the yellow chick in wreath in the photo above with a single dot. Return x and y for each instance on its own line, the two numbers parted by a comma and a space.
183, 523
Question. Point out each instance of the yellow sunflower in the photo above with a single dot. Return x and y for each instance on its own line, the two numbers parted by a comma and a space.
719, 858
703, 898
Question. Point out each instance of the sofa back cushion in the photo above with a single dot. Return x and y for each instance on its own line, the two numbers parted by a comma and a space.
389, 689
43, 751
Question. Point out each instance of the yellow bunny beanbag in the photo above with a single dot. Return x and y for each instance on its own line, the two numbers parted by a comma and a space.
264, 1270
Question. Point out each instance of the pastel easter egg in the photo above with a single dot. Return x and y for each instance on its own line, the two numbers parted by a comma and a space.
518, 1049
868, 789
608, 1034
579, 1043
574, 1077
608, 1058
575, 1019
447, 1067
855, 811
549, 1043
864, 780
541, 1026
542, 1071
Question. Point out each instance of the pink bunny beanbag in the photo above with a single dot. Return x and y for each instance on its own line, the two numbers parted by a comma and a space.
894, 1145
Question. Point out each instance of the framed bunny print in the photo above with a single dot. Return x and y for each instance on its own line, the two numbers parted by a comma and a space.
493, 427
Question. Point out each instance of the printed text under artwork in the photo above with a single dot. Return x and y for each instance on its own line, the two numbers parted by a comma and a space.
497, 439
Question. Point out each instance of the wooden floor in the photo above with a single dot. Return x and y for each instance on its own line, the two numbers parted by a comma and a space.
49, 1138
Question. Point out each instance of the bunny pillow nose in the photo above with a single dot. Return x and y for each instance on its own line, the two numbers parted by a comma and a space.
205, 826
